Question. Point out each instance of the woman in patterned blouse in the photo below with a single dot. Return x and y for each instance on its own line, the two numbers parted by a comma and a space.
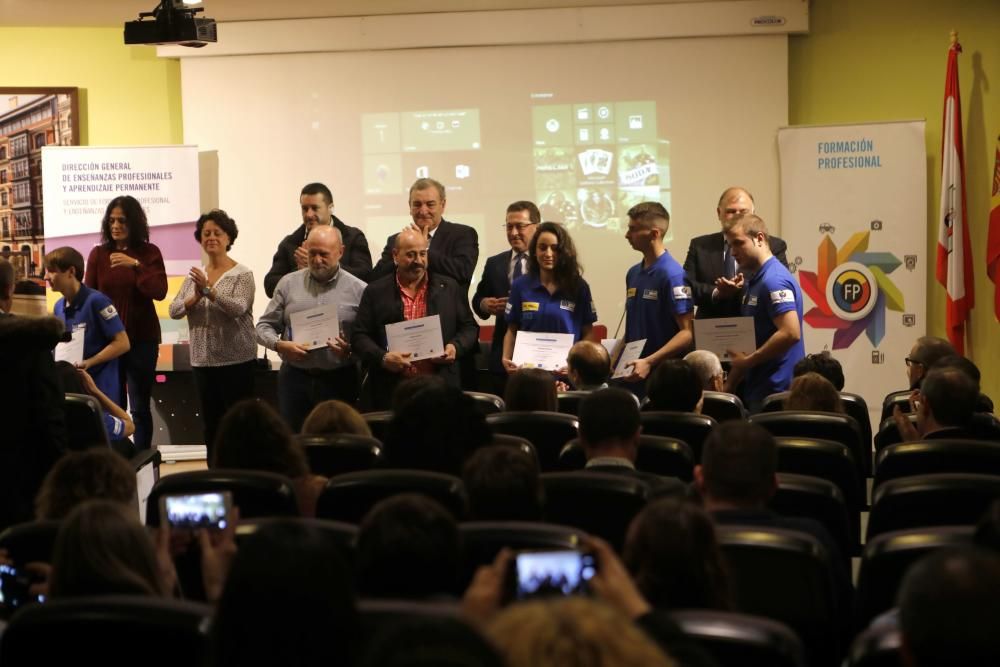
218, 302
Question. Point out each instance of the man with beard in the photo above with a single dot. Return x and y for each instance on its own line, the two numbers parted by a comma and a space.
412, 291
308, 377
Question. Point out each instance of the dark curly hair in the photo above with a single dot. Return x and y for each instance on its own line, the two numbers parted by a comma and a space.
567, 269
135, 220
220, 218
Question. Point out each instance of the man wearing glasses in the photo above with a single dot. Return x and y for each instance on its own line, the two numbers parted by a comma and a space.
500, 271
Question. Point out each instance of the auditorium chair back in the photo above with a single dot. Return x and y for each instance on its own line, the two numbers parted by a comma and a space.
687, 426
255, 493
330, 455
741, 640
546, 431
946, 499
722, 406
659, 455
937, 456
602, 504
349, 497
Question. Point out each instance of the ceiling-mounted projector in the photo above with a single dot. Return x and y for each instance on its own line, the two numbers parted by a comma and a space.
172, 22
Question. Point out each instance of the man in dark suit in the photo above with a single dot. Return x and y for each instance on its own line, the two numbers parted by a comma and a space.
316, 202
32, 395
609, 434
711, 270
501, 269
409, 293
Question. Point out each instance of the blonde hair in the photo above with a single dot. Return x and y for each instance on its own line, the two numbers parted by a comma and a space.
572, 632
812, 391
334, 417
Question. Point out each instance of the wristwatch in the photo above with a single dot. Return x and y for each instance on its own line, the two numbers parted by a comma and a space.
206, 290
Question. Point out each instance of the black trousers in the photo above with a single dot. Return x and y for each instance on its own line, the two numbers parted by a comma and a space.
219, 388
299, 390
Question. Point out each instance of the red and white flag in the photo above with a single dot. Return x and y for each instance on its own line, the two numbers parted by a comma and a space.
993, 240
954, 256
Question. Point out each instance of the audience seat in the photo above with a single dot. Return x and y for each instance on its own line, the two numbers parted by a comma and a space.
948, 499
344, 535
602, 504
687, 426
819, 499
487, 404
378, 422
483, 540
937, 456
547, 431
721, 406
331, 455
111, 630
31, 541
984, 426
741, 640
786, 575
523, 444
569, 401
84, 422
877, 646
902, 399
668, 457
824, 425
888, 556
255, 493
349, 497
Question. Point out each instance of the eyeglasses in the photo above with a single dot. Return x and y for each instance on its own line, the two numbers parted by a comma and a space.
910, 362
519, 227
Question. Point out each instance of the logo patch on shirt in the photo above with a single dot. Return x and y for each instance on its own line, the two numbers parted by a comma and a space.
751, 300
682, 292
567, 305
507, 308
109, 312
651, 294
783, 296
630, 293
529, 307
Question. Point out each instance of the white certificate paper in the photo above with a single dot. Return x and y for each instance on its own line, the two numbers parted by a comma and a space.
311, 327
73, 350
725, 333
631, 352
420, 337
542, 350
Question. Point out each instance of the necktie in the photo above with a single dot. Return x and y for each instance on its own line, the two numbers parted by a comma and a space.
728, 264
518, 270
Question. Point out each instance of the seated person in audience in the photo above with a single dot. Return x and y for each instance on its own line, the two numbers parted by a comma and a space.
409, 548
823, 363
708, 368
672, 553
253, 436
334, 417
429, 641
674, 386
96, 473
949, 603
503, 484
737, 477
588, 366
117, 422
435, 428
811, 391
944, 405
983, 403
104, 337
571, 645
531, 389
609, 434
288, 599
924, 353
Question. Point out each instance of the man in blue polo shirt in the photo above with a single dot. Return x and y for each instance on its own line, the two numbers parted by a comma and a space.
658, 303
773, 299
104, 337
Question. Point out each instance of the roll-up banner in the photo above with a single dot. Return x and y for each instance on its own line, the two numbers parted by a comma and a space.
854, 214
79, 181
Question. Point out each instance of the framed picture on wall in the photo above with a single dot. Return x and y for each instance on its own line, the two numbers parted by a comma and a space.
30, 118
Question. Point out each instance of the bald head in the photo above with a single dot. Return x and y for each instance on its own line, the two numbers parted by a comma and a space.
325, 247
589, 365
410, 255
734, 202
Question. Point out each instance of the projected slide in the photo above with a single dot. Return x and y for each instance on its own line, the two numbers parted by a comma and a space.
593, 161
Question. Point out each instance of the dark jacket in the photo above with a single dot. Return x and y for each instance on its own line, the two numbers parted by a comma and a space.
34, 432
454, 252
381, 304
704, 264
357, 257
494, 284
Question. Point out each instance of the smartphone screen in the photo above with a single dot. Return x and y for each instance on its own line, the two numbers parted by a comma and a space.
201, 510
552, 573
14, 585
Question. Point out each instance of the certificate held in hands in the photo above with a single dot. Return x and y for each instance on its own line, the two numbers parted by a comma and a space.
420, 337
313, 326
542, 350
721, 334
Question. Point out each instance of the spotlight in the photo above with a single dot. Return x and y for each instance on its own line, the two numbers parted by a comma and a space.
172, 22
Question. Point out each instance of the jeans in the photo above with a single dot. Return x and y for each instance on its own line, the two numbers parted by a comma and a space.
137, 370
